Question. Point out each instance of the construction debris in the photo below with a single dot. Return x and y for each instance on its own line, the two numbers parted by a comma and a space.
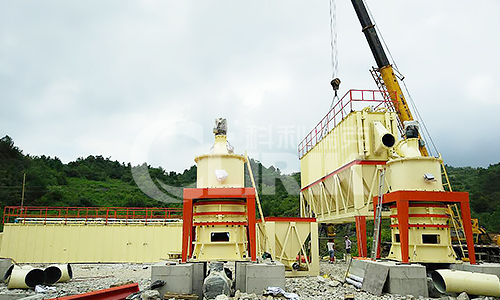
92, 277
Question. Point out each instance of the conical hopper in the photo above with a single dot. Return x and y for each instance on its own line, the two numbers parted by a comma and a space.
287, 237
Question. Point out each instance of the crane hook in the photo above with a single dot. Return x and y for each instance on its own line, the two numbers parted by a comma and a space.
335, 85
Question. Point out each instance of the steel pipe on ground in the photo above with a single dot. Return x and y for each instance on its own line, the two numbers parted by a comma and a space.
452, 281
23, 277
58, 273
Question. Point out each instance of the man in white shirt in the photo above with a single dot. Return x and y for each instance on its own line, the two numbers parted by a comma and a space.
347, 247
331, 250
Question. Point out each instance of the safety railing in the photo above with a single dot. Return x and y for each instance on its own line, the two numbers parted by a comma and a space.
340, 110
90, 215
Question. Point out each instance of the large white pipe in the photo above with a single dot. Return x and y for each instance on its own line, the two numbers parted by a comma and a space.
58, 273
382, 138
408, 148
67, 272
452, 281
24, 277
52, 275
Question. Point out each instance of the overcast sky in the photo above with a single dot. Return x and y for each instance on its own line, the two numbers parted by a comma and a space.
144, 80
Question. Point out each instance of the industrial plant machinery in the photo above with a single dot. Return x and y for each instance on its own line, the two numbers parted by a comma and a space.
219, 214
220, 232
343, 156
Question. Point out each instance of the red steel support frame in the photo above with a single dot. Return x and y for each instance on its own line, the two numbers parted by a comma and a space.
403, 199
114, 293
361, 235
216, 193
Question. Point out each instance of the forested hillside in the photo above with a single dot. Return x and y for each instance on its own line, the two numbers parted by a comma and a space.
100, 181
483, 186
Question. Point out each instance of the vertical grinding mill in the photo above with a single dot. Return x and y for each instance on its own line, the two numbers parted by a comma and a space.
420, 219
219, 214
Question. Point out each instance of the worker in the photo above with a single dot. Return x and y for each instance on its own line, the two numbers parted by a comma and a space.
331, 250
347, 248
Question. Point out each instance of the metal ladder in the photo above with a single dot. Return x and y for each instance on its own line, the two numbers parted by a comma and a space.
378, 216
377, 77
455, 216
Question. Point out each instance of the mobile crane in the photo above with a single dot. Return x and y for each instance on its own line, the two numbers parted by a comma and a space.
385, 70
387, 80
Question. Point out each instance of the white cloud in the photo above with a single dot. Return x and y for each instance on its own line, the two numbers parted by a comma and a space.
86, 77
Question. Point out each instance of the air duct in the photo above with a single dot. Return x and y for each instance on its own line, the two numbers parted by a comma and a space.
382, 138
452, 281
24, 277
67, 272
58, 273
408, 148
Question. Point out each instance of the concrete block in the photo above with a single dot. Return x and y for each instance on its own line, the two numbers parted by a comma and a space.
262, 275
178, 277
485, 268
5, 264
401, 279
199, 271
407, 280
375, 278
240, 276
358, 267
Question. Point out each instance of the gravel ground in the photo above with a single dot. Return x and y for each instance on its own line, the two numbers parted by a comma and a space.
90, 277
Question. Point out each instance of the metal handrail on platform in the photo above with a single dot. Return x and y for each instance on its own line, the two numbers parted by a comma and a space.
90, 215
342, 109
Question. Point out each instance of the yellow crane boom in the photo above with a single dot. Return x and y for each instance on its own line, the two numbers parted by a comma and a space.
384, 67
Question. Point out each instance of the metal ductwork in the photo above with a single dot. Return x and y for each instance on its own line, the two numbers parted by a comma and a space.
24, 277
452, 281
382, 138
58, 273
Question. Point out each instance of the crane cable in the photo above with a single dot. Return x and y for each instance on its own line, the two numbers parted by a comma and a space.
333, 37
334, 51
426, 134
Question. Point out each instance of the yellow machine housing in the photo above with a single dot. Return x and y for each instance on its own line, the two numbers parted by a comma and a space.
430, 243
340, 177
339, 173
212, 167
220, 233
289, 244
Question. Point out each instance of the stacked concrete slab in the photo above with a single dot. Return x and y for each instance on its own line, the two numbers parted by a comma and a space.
187, 278
257, 277
180, 278
402, 279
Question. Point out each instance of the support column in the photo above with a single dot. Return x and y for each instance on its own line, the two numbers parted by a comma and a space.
402, 207
361, 235
187, 227
252, 247
467, 222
